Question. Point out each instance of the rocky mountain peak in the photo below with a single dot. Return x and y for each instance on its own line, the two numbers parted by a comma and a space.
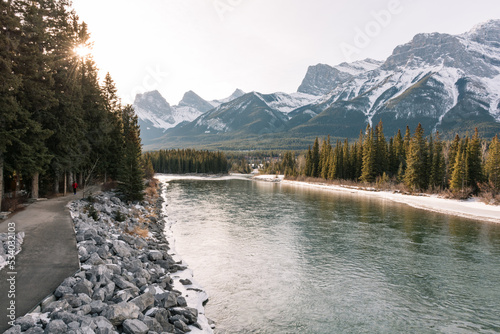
193, 100
153, 104
487, 33
237, 93
423, 49
320, 79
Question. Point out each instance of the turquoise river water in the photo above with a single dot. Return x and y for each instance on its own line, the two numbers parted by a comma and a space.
277, 258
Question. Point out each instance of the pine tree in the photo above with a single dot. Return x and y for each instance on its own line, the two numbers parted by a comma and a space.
492, 166
416, 173
399, 156
438, 165
452, 155
112, 106
406, 141
68, 141
474, 169
130, 179
326, 148
368, 169
359, 157
308, 169
458, 177
315, 159
11, 115
381, 159
346, 161
36, 92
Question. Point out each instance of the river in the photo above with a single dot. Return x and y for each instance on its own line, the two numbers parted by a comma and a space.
276, 258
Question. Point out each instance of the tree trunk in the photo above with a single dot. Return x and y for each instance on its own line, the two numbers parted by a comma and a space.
71, 179
1, 180
34, 186
18, 185
56, 184
81, 179
65, 183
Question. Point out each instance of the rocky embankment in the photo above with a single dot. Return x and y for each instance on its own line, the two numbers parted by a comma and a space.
126, 282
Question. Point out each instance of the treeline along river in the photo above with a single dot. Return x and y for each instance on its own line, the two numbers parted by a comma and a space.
279, 258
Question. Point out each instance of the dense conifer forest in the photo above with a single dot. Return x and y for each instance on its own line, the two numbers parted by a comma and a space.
463, 166
187, 161
58, 123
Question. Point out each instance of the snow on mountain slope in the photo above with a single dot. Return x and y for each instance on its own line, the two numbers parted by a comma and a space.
432, 66
358, 67
152, 107
154, 111
286, 103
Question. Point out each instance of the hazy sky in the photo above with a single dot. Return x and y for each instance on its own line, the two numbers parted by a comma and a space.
215, 46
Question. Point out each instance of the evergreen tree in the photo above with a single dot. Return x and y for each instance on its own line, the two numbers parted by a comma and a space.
12, 117
67, 142
369, 159
474, 169
492, 166
315, 158
416, 173
452, 155
112, 106
458, 177
35, 95
326, 149
309, 163
381, 155
359, 157
130, 179
288, 164
438, 165
398, 154
346, 161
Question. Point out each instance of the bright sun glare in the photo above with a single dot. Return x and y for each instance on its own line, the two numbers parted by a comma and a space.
82, 51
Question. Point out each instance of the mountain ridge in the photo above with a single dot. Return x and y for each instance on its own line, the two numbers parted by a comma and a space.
448, 83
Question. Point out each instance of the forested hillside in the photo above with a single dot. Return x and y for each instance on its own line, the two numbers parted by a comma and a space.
57, 122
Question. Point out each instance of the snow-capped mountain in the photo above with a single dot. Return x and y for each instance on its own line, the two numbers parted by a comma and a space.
449, 83
248, 114
237, 93
156, 115
320, 79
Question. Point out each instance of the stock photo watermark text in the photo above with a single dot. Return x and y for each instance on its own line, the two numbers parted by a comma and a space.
11, 272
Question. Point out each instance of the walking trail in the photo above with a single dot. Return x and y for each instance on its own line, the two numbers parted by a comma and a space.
48, 255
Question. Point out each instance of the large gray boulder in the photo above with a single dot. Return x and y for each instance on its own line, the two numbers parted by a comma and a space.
121, 249
56, 327
118, 313
135, 326
144, 301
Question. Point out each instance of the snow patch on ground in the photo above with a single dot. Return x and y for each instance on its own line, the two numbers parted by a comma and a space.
9, 245
472, 209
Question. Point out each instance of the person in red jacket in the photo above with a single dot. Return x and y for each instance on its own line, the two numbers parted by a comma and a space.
75, 185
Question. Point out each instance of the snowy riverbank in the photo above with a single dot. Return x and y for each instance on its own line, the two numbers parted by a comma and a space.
471, 208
